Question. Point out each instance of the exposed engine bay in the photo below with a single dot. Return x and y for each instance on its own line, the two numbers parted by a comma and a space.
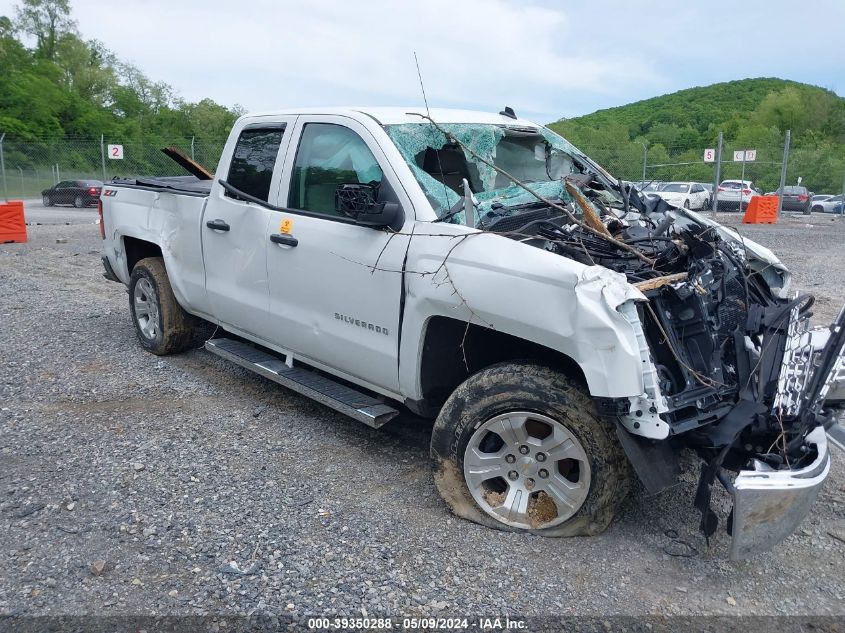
709, 332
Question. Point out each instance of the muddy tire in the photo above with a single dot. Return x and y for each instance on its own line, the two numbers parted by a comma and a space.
161, 324
536, 435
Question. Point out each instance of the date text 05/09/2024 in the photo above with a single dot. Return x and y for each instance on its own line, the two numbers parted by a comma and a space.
423, 623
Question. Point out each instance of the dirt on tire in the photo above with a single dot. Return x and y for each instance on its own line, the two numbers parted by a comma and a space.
178, 329
529, 386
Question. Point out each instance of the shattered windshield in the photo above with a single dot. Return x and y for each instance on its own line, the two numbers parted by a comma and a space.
533, 155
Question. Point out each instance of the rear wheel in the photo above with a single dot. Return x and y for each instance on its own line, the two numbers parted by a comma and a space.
161, 324
519, 446
686, 203
78, 202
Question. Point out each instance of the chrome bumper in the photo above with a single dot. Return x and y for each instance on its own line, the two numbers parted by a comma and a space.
770, 504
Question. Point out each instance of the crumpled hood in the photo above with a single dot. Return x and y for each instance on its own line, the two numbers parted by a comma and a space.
760, 258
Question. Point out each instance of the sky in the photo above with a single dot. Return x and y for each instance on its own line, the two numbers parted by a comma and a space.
545, 59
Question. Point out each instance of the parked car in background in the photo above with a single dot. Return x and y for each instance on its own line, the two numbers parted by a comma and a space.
821, 197
829, 205
795, 198
735, 194
689, 195
79, 193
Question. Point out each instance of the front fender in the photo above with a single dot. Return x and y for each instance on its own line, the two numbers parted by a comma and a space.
529, 293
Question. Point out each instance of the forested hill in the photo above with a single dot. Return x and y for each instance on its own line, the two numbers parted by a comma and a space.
64, 86
742, 107
750, 112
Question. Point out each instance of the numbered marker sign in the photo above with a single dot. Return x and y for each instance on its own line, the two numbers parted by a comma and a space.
115, 152
745, 155
709, 155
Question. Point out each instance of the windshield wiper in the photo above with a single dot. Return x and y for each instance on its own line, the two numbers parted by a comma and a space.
467, 203
451, 213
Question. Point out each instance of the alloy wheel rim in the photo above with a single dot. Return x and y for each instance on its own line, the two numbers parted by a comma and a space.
146, 308
527, 470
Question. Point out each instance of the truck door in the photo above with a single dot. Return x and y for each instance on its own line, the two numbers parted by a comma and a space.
234, 244
335, 286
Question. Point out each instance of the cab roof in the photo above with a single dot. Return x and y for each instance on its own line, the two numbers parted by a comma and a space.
397, 115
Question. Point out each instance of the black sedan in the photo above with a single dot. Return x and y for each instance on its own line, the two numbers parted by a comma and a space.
795, 198
79, 193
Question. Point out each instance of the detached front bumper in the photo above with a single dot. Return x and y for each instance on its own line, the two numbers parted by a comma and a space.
770, 504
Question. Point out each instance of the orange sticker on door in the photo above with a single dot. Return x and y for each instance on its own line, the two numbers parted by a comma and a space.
285, 226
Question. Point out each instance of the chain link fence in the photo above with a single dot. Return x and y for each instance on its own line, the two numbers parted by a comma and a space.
642, 164
32, 166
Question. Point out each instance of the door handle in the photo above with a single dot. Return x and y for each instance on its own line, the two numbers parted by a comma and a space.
217, 225
286, 240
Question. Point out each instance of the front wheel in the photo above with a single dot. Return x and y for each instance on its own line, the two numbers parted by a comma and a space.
46, 201
686, 204
518, 446
161, 324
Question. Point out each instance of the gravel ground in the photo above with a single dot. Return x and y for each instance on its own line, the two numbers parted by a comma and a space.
132, 484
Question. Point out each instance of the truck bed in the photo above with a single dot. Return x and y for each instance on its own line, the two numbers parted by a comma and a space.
139, 210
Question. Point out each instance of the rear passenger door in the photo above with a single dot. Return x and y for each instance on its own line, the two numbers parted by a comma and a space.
234, 243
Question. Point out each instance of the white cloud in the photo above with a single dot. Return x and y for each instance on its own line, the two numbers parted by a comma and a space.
546, 60
265, 54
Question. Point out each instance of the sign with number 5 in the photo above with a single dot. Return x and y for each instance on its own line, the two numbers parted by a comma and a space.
115, 152
709, 155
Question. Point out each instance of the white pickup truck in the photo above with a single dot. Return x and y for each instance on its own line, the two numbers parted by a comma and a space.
565, 331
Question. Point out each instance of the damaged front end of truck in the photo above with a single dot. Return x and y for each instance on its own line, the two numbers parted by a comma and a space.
731, 366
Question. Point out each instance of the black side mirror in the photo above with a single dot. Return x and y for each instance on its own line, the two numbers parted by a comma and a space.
358, 201
354, 199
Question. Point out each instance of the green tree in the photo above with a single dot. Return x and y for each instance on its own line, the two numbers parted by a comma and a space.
88, 68
784, 110
46, 21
